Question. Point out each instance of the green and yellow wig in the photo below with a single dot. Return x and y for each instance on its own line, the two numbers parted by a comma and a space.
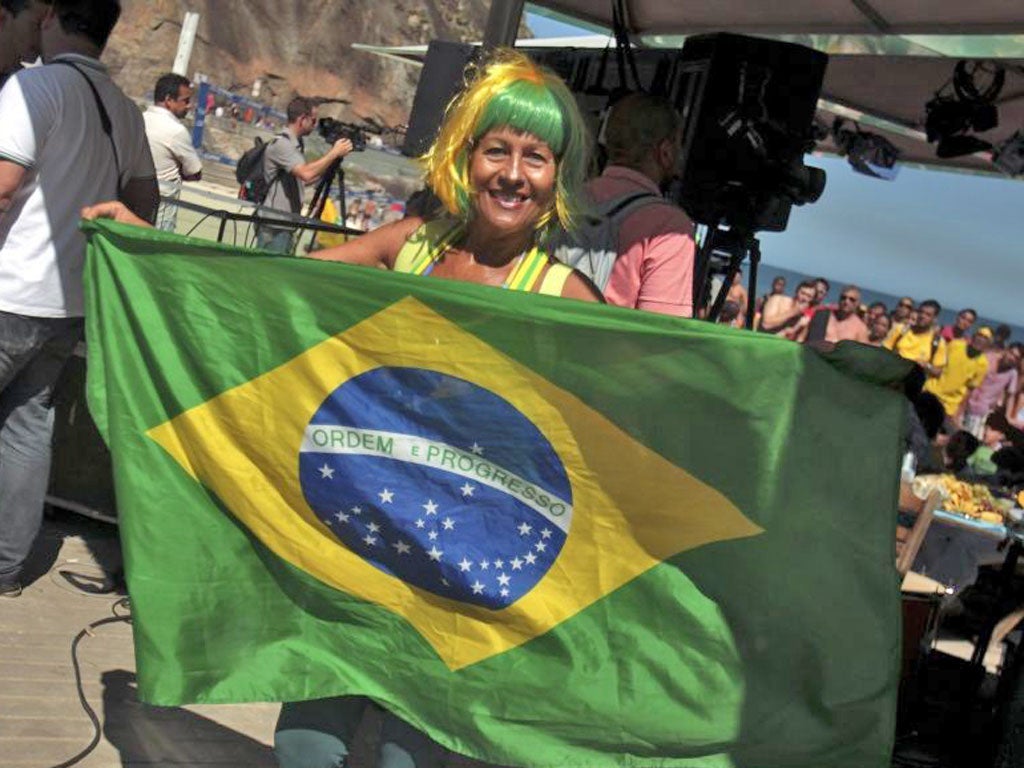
511, 91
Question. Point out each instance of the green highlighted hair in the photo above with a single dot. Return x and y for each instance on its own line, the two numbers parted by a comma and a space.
511, 91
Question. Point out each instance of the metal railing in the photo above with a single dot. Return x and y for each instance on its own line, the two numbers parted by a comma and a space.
251, 218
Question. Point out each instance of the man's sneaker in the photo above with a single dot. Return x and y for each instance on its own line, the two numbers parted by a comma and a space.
10, 590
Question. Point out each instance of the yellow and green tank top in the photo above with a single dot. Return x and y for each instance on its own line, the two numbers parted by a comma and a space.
428, 243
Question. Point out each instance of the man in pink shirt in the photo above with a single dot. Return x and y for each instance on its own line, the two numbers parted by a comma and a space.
654, 269
1000, 386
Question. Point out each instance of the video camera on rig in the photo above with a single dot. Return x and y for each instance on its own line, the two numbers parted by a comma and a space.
748, 108
332, 130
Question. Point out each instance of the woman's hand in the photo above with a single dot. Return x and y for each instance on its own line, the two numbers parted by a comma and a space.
113, 209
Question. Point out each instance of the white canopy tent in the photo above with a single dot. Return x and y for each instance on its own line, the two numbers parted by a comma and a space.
774, 17
887, 92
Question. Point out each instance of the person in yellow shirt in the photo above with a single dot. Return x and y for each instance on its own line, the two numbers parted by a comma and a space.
965, 369
921, 342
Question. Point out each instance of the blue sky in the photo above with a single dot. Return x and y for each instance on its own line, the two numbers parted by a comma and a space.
954, 237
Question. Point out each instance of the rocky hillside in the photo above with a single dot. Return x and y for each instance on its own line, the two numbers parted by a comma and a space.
295, 47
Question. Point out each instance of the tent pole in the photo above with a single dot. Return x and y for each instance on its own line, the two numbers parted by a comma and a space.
503, 22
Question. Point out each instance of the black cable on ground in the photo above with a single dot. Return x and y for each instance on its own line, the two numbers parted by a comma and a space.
88, 632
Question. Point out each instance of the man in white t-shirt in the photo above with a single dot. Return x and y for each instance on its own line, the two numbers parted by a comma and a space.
174, 156
56, 157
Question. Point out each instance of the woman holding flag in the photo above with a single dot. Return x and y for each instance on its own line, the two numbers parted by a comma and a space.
508, 167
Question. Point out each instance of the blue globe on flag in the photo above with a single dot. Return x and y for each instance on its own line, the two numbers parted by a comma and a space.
438, 482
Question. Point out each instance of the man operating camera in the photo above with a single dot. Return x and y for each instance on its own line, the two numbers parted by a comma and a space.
286, 170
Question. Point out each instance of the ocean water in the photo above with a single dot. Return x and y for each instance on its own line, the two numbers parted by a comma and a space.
869, 295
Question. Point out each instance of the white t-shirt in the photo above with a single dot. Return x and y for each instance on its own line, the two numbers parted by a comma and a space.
50, 125
173, 153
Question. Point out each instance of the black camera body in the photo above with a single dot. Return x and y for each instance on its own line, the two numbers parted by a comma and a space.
748, 107
332, 130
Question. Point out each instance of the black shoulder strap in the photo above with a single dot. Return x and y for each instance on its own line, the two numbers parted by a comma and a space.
629, 200
108, 127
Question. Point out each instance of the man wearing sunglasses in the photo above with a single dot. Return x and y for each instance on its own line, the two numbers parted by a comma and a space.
175, 158
901, 313
839, 324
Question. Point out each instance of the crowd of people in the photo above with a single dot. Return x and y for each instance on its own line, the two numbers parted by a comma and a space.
973, 392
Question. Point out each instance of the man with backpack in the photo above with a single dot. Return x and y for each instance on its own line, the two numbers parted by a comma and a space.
285, 171
70, 139
639, 247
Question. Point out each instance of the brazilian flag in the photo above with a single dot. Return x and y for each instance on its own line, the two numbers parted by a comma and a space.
545, 532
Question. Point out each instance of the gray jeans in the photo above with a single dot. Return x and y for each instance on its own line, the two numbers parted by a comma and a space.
33, 351
318, 734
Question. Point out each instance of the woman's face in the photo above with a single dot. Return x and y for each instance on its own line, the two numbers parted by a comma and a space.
512, 177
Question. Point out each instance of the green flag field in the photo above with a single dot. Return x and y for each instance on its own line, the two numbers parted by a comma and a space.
546, 532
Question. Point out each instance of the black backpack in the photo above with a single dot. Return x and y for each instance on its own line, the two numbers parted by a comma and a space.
253, 185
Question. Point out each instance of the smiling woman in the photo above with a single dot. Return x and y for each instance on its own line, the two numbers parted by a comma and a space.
508, 165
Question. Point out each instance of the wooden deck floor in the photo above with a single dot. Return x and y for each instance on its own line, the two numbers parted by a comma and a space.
42, 723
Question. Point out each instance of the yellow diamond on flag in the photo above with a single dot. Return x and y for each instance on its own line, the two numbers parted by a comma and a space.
407, 463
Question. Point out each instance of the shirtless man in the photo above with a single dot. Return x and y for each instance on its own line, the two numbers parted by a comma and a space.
786, 316
738, 296
843, 324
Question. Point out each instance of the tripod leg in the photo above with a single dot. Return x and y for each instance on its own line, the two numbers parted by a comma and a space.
754, 249
734, 265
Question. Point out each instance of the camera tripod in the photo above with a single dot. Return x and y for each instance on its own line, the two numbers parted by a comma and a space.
335, 171
738, 245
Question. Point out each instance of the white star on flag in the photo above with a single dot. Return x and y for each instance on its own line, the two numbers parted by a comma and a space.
373, 528
530, 558
504, 592
467, 489
386, 496
499, 564
524, 529
432, 535
465, 565
435, 554
540, 546
431, 507
546, 533
341, 516
356, 510
402, 547
477, 449
420, 523
503, 579
478, 588
370, 540
448, 523
326, 473
517, 564
485, 564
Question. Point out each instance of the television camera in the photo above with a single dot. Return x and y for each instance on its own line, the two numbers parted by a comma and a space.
333, 130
